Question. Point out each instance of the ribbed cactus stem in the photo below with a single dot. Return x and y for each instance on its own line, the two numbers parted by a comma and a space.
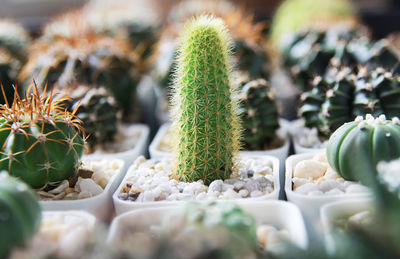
204, 113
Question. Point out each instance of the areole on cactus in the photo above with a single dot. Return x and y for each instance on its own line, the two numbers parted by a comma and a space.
40, 142
355, 149
204, 113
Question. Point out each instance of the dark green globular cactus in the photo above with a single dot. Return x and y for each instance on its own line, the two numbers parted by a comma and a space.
204, 113
97, 109
341, 96
40, 142
355, 149
259, 114
20, 213
90, 59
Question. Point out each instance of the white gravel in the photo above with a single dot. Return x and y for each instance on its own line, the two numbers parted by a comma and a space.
151, 180
84, 188
305, 137
315, 177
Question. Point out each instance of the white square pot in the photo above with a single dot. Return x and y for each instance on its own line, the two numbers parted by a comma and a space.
99, 205
340, 209
122, 206
279, 214
310, 205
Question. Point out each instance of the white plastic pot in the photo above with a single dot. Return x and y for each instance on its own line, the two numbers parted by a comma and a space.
122, 206
337, 210
130, 155
99, 205
279, 214
299, 149
310, 205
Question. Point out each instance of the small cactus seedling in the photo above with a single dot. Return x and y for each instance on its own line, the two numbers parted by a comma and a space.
204, 113
20, 213
40, 142
355, 149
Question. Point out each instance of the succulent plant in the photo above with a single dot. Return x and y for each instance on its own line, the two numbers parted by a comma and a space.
89, 59
294, 15
259, 113
204, 113
20, 213
137, 23
355, 148
13, 43
342, 96
41, 143
98, 111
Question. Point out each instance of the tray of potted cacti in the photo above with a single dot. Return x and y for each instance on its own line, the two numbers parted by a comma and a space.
100, 73
42, 144
208, 229
347, 169
263, 130
207, 129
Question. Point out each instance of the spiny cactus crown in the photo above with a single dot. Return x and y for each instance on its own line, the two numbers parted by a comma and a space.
204, 113
40, 142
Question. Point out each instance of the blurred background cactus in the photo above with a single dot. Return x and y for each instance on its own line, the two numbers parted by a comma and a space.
20, 214
204, 113
41, 143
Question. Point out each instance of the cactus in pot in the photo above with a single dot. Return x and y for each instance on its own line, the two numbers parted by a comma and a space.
341, 96
40, 142
259, 114
20, 213
204, 113
355, 149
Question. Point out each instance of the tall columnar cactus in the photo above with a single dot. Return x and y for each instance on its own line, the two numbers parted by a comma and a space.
204, 113
20, 214
40, 142
342, 96
355, 149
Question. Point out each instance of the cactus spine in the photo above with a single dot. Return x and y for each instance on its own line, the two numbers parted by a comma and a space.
40, 142
355, 149
204, 113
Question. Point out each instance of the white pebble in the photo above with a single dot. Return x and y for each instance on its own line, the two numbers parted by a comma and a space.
255, 194
310, 169
334, 191
88, 185
306, 188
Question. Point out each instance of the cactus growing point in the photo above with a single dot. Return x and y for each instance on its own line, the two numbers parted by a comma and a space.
204, 113
40, 142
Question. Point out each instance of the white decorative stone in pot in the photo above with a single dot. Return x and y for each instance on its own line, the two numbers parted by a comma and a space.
130, 142
149, 183
355, 211
310, 183
305, 140
65, 234
269, 215
91, 194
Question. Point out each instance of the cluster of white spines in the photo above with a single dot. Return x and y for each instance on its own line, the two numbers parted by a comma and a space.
371, 120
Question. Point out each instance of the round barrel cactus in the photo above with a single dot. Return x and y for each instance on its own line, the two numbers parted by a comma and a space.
40, 142
355, 148
204, 113
19, 213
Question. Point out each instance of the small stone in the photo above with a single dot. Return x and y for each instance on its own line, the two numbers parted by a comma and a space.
61, 188
251, 186
238, 185
84, 195
334, 191
306, 188
328, 185
297, 182
148, 196
250, 173
310, 169
123, 196
88, 185
84, 173
216, 186
244, 193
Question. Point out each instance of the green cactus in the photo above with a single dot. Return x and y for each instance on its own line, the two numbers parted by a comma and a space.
222, 215
355, 149
40, 142
20, 214
342, 96
13, 44
98, 111
90, 59
259, 114
204, 114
